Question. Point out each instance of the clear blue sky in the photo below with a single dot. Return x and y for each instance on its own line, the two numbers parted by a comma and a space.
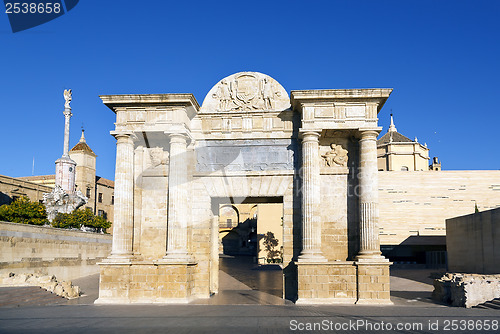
441, 57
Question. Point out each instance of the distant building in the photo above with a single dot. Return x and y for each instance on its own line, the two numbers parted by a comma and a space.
13, 188
416, 198
397, 152
98, 190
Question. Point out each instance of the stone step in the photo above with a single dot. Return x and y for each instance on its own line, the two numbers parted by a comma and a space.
491, 305
496, 301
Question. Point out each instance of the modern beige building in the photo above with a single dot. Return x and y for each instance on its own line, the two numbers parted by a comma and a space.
416, 199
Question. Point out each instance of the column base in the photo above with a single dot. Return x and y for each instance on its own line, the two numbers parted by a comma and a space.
312, 257
176, 258
146, 282
371, 259
117, 259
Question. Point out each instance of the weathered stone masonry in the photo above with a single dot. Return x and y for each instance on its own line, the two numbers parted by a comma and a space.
176, 160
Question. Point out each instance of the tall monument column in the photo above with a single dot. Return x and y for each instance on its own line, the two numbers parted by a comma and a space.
65, 166
311, 222
67, 115
177, 219
368, 197
123, 223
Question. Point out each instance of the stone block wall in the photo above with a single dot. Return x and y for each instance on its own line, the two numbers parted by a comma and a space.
473, 243
333, 210
146, 282
66, 254
373, 284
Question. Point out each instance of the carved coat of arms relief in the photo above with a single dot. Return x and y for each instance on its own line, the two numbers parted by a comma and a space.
246, 92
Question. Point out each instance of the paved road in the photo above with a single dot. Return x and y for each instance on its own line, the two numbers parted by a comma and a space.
236, 319
259, 310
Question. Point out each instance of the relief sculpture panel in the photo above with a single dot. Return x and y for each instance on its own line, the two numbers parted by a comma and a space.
246, 91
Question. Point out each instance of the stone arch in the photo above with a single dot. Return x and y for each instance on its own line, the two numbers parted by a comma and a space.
228, 215
253, 212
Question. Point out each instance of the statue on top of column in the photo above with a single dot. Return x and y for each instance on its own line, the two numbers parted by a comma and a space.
67, 98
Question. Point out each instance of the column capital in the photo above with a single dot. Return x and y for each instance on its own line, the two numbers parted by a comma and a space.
309, 134
177, 136
122, 134
180, 132
371, 134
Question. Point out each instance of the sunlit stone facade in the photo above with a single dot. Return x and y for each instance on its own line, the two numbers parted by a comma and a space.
314, 151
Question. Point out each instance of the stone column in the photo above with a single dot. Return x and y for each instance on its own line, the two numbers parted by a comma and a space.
123, 223
67, 116
139, 163
311, 222
368, 197
177, 200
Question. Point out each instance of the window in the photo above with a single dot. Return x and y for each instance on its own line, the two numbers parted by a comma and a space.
102, 213
88, 192
100, 198
113, 200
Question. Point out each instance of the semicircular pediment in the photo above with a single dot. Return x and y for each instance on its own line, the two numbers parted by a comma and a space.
246, 92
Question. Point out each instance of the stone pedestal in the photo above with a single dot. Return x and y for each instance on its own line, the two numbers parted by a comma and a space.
326, 283
343, 282
65, 174
145, 282
373, 283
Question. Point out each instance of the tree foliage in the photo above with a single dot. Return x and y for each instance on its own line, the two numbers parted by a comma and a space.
79, 218
24, 211
270, 242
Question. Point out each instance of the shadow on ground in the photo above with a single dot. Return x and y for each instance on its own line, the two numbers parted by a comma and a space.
263, 278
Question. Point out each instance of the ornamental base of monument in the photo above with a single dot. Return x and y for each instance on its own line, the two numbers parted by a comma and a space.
148, 282
60, 201
343, 283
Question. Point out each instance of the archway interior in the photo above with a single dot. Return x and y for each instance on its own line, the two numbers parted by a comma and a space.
251, 243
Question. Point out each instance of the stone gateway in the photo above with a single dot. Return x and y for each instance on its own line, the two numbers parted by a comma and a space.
176, 163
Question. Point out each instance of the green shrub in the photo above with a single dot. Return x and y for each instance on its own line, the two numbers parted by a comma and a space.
79, 218
24, 211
